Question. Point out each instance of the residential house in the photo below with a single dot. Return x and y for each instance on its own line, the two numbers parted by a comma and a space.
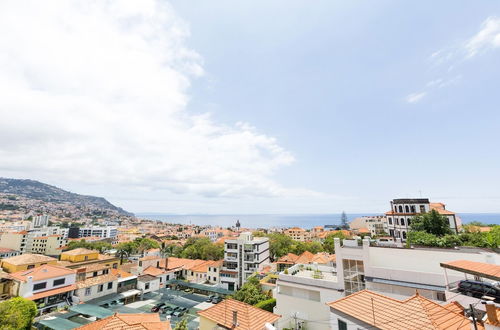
49, 286
25, 262
148, 283
369, 310
94, 281
160, 273
233, 314
7, 253
78, 258
373, 225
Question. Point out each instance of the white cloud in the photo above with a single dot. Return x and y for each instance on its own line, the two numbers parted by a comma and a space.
415, 97
96, 92
488, 37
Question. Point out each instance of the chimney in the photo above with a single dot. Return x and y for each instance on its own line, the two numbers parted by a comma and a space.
491, 312
235, 319
166, 263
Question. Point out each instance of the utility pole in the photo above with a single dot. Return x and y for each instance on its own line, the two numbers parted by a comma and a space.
473, 316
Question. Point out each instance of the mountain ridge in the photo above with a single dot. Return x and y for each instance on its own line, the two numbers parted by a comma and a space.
48, 193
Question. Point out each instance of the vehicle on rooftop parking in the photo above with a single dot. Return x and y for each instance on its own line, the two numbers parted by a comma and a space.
157, 307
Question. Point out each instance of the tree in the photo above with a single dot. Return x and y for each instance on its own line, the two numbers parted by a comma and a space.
99, 246
124, 250
182, 325
329, 243
279, 245
251, 292
301, 247
267, 305
143, 244
17, 313
431, 222
343, 221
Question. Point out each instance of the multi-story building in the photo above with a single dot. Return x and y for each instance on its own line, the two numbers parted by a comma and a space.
298, 234
40, 220
94, 281
49, 245
7, 253
302, 292
243, 257
96, 231
375, 225
404, 210
398, 272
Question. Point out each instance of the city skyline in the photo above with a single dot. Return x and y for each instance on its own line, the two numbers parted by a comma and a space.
258, 108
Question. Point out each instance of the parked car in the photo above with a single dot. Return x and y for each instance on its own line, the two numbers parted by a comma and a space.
169, 311
479, 289
209, 298
178, 313
164, 309
183, 309
157, 307
217, 300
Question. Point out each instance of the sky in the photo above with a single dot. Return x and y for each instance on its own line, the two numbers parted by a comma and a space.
254, 107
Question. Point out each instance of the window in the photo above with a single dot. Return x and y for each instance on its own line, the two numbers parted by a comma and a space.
441, 296
390, 221
404, 235
407, 209
86, 258
168, 277
106, 271
413, 209
146, 286
39, 286
87, 291
94, 274
400, 209
59, 281
422, 209
161, 280
110, 285
408, 222
100, 288
342, 325
31, 266
397, 221
402, 222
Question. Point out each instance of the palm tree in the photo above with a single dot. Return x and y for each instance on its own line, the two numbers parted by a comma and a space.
124, 250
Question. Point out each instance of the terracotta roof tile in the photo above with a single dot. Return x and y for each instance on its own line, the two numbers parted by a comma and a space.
153, 271
96, 280
28, 258
52, 292
149, 321
384, 312
249, 317
41, 273
79, 251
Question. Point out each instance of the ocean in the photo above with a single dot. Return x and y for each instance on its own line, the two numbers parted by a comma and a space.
279, 220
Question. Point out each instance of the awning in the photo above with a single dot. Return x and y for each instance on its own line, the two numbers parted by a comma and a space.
92, 310
129, 293
52, 292
481, 269
58, 323
202, 287
406, 284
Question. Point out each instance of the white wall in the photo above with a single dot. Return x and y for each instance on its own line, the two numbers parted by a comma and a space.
153, 286
26, 289
80, 293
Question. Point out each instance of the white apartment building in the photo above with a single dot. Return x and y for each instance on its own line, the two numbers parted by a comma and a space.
41, 220
399, 272
98, 231
403, 210
302, 294
243, 257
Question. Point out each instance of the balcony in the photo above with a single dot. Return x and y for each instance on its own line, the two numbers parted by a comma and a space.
315, 275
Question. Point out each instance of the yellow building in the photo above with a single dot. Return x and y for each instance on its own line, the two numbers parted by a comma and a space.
81, 257
25, 262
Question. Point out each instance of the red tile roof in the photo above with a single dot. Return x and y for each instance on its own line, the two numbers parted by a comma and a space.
149, 321
249, 317
386, 313
42, 273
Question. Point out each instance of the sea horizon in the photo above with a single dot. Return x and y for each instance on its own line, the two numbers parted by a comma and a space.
285, 220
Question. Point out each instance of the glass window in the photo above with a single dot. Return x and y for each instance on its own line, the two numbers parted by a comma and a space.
100, 288
87, 291
39, 286
342, 325
402, 222
59, 281
110, 285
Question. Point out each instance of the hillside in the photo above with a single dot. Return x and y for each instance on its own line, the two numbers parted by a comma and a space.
40, 191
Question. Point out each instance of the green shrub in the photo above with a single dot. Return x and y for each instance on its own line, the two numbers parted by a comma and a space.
267, 305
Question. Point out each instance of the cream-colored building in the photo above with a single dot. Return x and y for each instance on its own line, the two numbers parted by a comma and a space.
298, 234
